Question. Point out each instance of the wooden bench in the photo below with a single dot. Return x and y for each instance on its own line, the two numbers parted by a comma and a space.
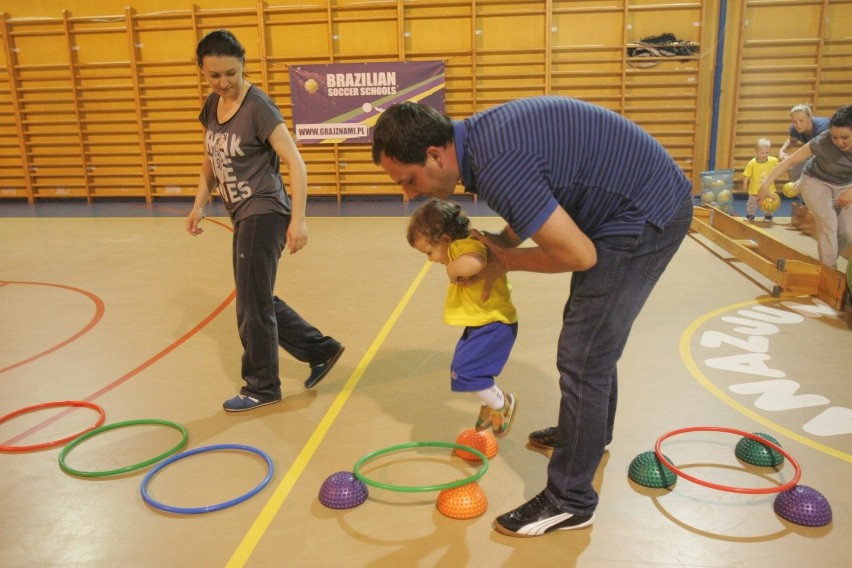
792, 272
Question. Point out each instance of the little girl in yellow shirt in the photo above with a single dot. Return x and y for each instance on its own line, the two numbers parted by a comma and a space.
441, 230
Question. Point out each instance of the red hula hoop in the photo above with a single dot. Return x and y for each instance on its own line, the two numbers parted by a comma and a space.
93, 406
779, 489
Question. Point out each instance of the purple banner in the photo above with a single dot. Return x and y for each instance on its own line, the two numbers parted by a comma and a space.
340, 102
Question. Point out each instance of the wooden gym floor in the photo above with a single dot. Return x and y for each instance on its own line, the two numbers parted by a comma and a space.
117, 306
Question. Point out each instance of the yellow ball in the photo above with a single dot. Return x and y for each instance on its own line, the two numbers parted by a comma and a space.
771, 203
724, 196
790, 189
311, 86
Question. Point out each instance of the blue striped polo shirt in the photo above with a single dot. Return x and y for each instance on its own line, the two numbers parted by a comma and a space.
526, 156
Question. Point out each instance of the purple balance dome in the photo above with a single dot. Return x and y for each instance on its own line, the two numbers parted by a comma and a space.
804, 506
342, 490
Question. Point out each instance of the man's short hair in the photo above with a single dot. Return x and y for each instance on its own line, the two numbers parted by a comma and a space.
404, 131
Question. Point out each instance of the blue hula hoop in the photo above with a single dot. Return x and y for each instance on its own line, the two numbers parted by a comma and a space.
210, 508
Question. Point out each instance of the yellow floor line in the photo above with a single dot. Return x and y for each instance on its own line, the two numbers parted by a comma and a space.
258, 528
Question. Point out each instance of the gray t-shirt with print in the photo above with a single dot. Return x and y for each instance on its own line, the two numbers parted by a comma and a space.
245, 165
828, 163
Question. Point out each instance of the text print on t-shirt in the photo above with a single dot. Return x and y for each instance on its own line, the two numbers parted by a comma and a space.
221, 148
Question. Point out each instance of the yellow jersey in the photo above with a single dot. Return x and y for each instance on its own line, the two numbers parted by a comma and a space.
464, 305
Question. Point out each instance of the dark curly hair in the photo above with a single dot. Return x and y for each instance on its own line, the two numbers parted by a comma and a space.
437, 218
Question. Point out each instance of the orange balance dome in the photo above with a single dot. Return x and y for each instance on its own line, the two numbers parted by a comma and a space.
464, 502
484, 442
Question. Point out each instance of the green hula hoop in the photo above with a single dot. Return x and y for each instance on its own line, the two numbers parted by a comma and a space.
421, 488
80, 439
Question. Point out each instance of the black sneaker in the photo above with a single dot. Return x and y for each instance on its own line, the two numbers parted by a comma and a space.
537, 517
241, 403
320, 370
546, 439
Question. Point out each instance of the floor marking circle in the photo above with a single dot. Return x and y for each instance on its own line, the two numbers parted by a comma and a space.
694, 369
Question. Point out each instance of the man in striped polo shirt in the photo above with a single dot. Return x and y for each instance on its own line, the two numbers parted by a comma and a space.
600, 198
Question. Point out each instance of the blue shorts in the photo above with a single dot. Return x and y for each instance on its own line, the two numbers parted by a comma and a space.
480, 355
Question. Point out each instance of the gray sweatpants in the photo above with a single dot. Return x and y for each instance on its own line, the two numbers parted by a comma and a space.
833, 224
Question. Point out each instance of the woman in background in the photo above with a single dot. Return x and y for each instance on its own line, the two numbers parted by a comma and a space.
826, 184
804, 127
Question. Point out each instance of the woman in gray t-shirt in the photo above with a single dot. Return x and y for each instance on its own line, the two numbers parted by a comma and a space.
246, 141
826, 184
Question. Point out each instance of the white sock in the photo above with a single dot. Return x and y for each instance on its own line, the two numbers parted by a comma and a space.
491, 397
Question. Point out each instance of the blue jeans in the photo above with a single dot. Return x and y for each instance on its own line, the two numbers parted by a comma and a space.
604, 302
265, 321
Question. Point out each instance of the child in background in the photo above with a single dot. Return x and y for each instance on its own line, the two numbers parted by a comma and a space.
755, 172
441, 230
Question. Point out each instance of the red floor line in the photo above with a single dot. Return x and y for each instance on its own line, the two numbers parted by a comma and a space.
99, 313
126, 377
171, 347
165, 351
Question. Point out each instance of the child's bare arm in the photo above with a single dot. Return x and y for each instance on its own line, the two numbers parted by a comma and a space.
465, 266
